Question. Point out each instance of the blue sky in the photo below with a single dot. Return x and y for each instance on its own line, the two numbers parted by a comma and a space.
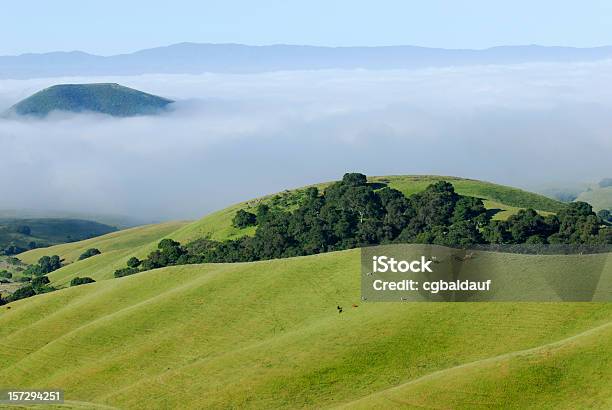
113, 26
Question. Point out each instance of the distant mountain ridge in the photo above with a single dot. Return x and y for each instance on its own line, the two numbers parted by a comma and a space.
194, 58
105, 98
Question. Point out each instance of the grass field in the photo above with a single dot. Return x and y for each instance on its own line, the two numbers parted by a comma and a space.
546, 377
267, 335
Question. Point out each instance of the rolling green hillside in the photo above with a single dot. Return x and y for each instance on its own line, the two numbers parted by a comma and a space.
218, 225
546, 377
268, 335
116, 248
112, 99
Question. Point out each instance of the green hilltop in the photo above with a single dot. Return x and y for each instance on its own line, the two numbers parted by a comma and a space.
118, 247
267, 334
105, 98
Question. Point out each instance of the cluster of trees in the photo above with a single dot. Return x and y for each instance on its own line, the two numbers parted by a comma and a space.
45, 265
575, 224
89, 253
169, 252
36, 276
76, 281
353, 213
37, 285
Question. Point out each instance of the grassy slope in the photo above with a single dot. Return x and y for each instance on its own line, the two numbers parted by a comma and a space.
267, 334
547, 377
116, 248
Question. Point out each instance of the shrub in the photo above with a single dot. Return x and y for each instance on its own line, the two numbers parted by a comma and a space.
89, 253
6, 274
81, 281
119, 273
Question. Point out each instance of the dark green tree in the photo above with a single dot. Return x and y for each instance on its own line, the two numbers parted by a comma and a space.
48, 264
89, 253
243, 219
133, 262
354, 179
39, 282
76, 281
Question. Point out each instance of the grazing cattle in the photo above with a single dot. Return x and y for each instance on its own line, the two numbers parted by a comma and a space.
354, 305
339, 309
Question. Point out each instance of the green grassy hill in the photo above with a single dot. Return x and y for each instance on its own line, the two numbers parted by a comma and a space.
505, 200
218, 225
267, 335
116, 248
112, 99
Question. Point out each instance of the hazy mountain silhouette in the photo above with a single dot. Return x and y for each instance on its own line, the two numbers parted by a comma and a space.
236, 58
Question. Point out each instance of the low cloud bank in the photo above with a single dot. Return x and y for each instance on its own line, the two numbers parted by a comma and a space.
232, 137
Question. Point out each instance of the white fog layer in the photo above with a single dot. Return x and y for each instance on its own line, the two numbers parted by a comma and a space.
234, 137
